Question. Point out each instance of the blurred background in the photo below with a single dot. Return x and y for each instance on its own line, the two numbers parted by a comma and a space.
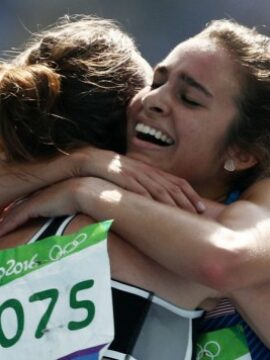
157, 25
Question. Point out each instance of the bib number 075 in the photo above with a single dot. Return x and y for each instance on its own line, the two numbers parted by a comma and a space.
52, 295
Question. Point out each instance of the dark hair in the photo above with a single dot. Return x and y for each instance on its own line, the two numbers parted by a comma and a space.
251, 128
68, 88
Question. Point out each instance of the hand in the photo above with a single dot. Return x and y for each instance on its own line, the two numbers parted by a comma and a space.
64, 198
19, 180
135, 176
57, 200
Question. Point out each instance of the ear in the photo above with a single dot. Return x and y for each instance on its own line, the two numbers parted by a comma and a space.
242, 159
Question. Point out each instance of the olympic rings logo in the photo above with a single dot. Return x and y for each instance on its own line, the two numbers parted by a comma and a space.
57, 251
211, 350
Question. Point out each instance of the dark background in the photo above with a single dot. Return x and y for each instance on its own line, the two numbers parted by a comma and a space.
157, 25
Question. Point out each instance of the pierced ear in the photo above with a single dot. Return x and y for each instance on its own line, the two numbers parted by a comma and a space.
242, 159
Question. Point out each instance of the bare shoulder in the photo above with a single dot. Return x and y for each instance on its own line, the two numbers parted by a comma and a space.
252, 208
258, 193
78, 222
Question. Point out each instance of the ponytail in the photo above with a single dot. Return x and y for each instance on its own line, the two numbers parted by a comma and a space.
27, 98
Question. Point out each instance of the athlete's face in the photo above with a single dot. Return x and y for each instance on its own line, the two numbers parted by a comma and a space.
179, 123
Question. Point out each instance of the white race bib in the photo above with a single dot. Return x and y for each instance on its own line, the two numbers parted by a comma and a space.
55, 298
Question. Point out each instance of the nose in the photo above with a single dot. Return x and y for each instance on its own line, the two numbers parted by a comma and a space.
156, 102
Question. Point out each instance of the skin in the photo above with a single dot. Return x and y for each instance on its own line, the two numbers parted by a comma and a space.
196, 117
228, 254
127, 263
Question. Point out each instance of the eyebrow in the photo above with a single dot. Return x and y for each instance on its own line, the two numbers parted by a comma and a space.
194, 83
163, 70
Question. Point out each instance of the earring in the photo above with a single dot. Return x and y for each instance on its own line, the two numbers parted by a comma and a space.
229, 165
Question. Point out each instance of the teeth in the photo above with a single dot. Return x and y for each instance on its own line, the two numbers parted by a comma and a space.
139, 127
163, 138
145, 129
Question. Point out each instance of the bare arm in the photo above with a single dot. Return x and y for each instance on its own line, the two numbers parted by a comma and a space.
223, 254
253, 305
133, 267
230, 253
161, 231
245, 227
17, 180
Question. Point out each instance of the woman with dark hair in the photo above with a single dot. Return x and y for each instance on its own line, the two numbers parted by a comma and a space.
95, 65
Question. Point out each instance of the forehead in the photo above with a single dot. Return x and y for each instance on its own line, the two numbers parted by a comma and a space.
205, 61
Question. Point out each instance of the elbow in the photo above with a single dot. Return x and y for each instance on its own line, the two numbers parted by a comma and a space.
222, 268
218, 274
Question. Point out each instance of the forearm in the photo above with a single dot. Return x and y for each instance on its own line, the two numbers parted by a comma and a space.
18, 180
227, 254
222, 255
160, 240
253, 304
182, 242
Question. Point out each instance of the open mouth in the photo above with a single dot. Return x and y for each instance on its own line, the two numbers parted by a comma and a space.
154, 136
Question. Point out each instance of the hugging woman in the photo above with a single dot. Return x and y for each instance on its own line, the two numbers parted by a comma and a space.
69, 89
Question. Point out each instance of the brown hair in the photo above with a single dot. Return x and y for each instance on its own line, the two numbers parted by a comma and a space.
251, 128
70, 87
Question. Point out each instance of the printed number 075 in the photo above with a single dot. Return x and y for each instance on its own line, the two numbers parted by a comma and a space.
51, 294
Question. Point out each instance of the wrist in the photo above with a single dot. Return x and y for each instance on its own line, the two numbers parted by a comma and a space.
90, 161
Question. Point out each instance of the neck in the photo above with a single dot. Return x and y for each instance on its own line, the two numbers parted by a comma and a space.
213, 198
216, 192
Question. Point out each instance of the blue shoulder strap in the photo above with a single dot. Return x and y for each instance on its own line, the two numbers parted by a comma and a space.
232, 196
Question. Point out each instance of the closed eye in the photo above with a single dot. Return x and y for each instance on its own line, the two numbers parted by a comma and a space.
189, 101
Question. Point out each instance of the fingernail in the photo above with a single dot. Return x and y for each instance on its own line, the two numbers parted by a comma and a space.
200, 206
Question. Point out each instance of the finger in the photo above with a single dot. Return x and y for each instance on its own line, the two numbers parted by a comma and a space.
135, 186
174, 198
13, 219
183, 201
185, 188
157, 191
35, 206
194, 198
164, 191
163, 196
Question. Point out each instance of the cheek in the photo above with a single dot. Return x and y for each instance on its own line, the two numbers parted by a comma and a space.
133, 110
136, 102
